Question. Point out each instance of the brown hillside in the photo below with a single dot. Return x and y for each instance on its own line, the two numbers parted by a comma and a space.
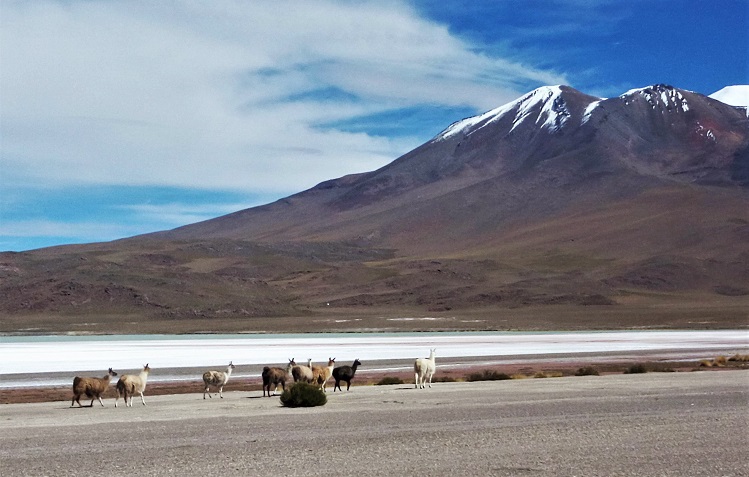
557, 211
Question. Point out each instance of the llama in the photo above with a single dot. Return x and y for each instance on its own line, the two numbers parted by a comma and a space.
424, 369
92, 387
321, 374
276, 376
129, 384
345, 373
300, 373
217, 379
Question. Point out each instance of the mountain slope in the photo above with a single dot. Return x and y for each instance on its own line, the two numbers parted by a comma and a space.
625, 211
531, 158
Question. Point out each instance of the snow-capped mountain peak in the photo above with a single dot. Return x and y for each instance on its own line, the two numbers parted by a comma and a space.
735, 95
545, 106
661, 97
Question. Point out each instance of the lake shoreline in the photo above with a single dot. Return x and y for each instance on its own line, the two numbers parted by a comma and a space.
246, 378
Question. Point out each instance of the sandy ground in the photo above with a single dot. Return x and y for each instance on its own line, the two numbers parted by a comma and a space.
664, 424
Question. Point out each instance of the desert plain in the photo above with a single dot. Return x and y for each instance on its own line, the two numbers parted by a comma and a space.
664, 424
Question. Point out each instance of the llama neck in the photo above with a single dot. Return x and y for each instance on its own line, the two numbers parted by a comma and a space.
228, 372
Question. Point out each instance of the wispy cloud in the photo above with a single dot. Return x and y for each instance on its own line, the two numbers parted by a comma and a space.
177, 214
227, 95
72, 231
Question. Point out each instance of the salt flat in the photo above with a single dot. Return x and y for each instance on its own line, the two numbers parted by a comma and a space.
664, 424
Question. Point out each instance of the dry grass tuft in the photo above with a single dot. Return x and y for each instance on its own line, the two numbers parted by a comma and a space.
487, 375
718, 362
587, 371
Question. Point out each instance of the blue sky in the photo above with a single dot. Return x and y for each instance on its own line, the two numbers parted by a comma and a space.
119, 118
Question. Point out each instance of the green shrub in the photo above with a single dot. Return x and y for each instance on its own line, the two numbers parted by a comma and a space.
636, 369
487, 375
389, 380
303, 395
587, 371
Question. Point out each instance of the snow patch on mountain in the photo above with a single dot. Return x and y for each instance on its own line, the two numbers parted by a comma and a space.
589, 111
462, 125
546, 105
554, 113
661, 97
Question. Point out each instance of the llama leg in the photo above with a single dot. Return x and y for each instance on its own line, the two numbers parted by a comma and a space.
221, 392
100, 402
416, 380
348, 385
141, 398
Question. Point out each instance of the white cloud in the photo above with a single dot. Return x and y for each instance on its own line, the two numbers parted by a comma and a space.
197, 94
177, 214
75, 231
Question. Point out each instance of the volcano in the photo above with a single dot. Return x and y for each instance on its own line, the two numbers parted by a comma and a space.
558, 210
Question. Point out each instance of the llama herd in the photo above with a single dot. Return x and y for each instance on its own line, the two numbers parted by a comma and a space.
130, 384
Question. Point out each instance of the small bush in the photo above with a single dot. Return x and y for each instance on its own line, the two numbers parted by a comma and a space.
487, 375
587, 371
444, 379
739, 358
636, 369
389, 380
303, 395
